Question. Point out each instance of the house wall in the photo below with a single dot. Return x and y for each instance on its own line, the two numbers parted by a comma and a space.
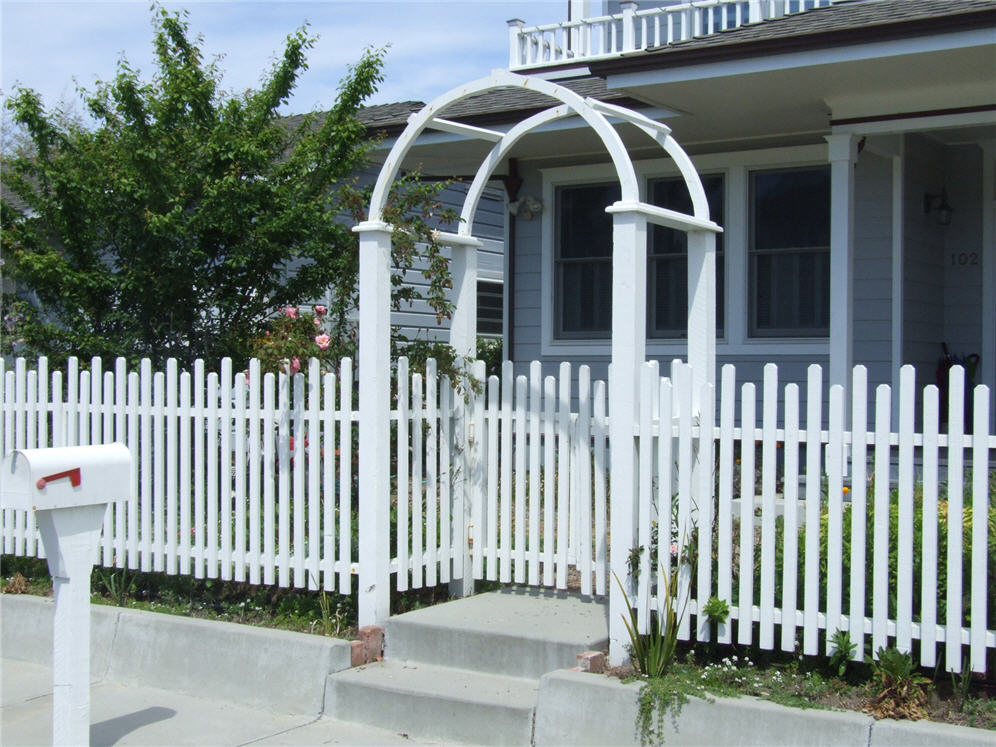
417, 319
873, 267
963, 250
923, 258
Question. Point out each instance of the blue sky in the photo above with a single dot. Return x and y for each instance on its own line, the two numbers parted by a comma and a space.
434, 46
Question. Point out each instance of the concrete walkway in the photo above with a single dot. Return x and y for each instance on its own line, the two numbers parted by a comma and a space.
129, 715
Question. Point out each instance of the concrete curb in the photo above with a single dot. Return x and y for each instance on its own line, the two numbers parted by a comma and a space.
274, 670
285, 672
589, 709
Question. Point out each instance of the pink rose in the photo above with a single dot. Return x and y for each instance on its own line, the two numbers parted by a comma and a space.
320, 311
291, 312
322, 341
317, 322
295, 365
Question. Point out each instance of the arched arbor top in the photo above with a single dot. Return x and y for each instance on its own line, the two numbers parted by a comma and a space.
567, 103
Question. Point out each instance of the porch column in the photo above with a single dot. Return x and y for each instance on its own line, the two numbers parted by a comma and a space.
701, 310
843, 154
463, 340
629, 343
375, 422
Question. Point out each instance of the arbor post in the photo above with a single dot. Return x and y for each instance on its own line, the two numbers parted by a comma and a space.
629, 343
463, 340
375, 422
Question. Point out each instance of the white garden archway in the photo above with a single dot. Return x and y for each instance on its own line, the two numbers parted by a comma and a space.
630, 217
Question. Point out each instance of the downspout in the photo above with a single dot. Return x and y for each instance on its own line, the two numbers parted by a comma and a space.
512, 183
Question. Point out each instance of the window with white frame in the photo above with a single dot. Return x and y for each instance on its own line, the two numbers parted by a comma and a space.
789, 253
667, 258
583, 261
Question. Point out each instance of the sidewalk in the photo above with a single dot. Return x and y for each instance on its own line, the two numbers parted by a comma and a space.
127, 715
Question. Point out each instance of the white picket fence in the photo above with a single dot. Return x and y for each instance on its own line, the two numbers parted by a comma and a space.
802, 471
250, 477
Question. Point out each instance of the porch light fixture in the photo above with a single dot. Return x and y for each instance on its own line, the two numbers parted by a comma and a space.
526, 208
939, 204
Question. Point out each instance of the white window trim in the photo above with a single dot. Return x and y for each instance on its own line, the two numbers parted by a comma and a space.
734, 167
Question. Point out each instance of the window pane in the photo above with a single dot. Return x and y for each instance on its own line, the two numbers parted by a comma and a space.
789, 253
585, 227
586, 298
668, 263
791, 209
584, 260
489, 307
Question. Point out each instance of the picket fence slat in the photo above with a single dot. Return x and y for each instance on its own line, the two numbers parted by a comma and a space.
431, 473
599, 434
404, 494
505, 490
790, 547
535, 405
980, 508
956, 399
814, 418
746, 591
445, 504
492, 457
563, 472
521, 516
859, 497
549, 478
583, 472
769, 444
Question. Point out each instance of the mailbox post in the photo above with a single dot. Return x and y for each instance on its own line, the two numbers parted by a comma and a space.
68, 488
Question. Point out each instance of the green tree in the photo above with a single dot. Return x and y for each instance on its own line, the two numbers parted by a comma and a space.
178, 220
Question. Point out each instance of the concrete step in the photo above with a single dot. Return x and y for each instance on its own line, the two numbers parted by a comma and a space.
517, 631
434, 702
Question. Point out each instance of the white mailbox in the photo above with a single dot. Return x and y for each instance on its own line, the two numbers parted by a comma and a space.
67, 476
68, 489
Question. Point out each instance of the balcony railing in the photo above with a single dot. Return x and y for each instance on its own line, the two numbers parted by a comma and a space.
634, 30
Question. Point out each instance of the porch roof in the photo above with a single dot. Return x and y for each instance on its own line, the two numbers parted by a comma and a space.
840, 23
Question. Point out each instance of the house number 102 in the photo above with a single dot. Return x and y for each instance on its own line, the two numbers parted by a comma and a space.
964, 259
